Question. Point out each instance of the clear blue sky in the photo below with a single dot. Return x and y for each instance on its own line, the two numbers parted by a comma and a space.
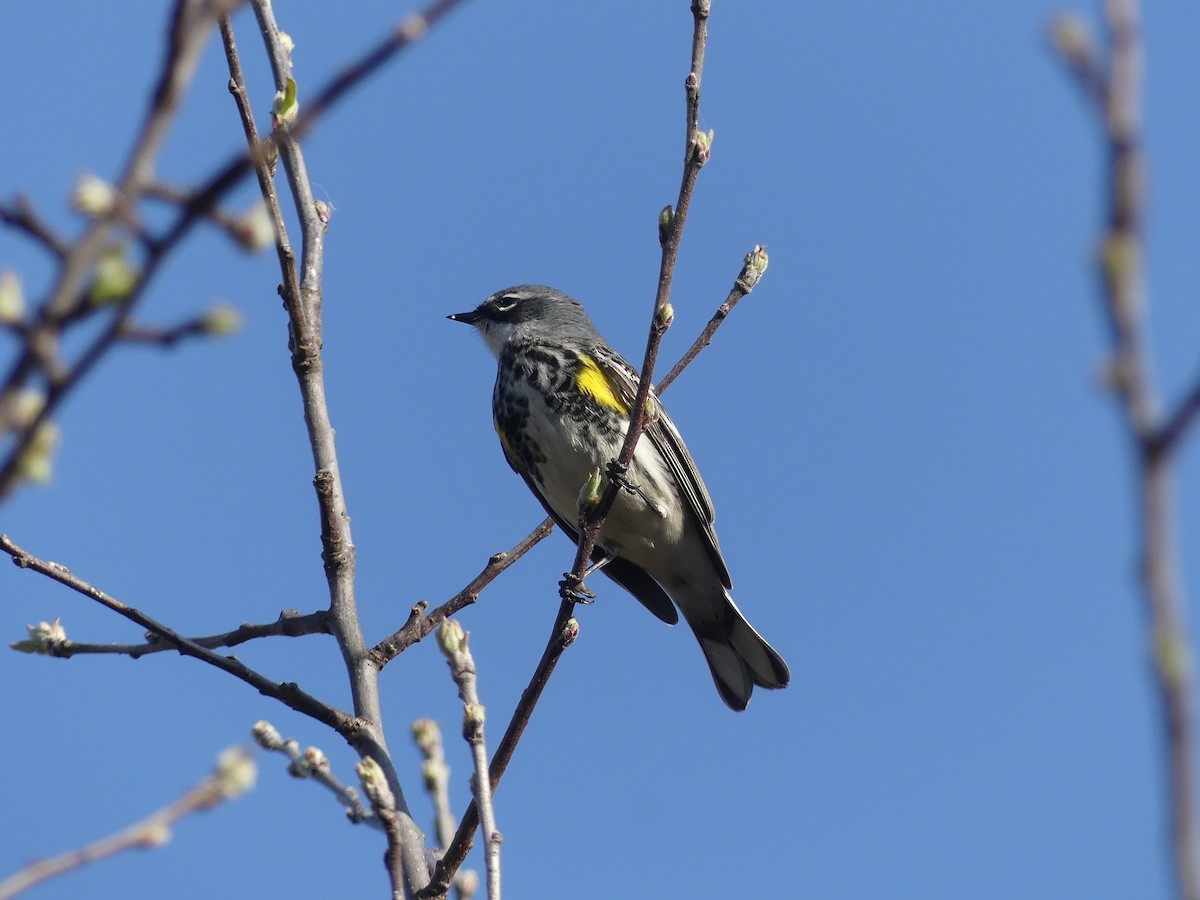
922, 493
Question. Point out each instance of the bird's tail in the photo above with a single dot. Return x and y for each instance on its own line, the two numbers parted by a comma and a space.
737, 654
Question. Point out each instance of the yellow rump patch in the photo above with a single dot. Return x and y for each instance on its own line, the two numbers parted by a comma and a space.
592, 381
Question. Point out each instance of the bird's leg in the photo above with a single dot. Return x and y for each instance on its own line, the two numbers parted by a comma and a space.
620, 476
600, 563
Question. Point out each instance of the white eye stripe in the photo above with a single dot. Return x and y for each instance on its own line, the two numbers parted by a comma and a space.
506, 303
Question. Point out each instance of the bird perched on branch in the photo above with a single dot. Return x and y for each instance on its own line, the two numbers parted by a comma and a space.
561, 406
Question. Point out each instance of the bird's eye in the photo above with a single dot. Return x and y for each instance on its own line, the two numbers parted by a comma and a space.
506, 303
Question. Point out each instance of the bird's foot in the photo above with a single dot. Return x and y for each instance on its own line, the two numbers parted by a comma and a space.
572, 589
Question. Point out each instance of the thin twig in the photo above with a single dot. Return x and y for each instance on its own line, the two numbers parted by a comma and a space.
188, 31
1118, 99
289, 624
313, 764
234, 776
286, 692
753, 267
22, 216
68, 297
455, 646
420, 625
428, 738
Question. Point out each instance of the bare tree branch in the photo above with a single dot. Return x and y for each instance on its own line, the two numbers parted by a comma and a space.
287, 692
289, 624
22, 216
753, 267
314, 764
1117, 94
456, 648
67, 299
420, 625
234, 776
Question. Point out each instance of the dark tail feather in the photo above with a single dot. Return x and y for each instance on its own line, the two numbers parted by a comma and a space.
738, 656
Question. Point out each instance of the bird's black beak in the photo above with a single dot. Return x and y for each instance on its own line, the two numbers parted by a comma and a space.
469, 318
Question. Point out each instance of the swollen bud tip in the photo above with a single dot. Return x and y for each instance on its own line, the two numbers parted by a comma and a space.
666, 223
426, 734
236, 772
451, 637
93, 196
115, 277
266, 735
42, 638
254, 231
592, 490
286, 107
1070, 36
12, 298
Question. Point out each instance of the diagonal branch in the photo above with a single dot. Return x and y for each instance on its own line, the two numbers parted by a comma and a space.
420, 625
234, 776
287, 693
565, 628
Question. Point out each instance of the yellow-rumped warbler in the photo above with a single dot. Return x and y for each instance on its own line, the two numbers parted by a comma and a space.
561, 406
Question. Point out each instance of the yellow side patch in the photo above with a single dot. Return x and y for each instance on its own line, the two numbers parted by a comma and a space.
593, 382
503, 438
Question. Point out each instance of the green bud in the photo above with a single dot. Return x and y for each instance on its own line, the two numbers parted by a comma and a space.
28, 405
324, 211
473, 719
451, 637
427, 735
753, 266
254, 231
466, 882
93, 196
222, 320
414, 27
266, 735
666, 223
236, 772
374, 782
12, 298
270, 152
115, 277
154, 835
286, 107
42, 637
1173, 657
592, 490
664, 315
36, 464
1070, 36
315, 758
757, 259
1119, 255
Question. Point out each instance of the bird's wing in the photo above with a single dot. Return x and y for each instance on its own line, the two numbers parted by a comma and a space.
666, 439
629, 576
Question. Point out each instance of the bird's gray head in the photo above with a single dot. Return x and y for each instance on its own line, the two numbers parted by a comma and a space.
528, 311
